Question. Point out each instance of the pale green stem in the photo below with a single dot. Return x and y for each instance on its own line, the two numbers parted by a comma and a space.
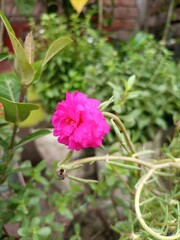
108, 158
168, 21
81, 179
100, 13
118, 135
67, 157
122, 128
140, 186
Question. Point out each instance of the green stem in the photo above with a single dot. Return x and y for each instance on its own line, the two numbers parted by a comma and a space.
67, 157
15, 128
107, 158
123, 129
11, 148
168, 21
140, 186
100, 13
1, 25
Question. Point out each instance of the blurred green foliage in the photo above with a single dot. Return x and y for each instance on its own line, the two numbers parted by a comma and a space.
92, 65
154, 101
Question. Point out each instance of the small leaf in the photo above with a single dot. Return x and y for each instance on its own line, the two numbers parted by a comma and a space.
23, 231
3, 56
35, 221
24, 67
56, 47
130, 82
3, 143
82, 180
41, 166
16, 112
44, 231
29, 47
32, 137
78, 5
38, 70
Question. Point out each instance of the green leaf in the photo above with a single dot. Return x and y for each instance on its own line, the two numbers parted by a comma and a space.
161, 123
25, 7
41, 166
33, 201
29, 47
129, 84
41, 180
56, 47
38, 70
10, 87
44, 231
32, 137
66, 212
24, 67
3, 56
23, 231
3, 143
35, 221
17, 112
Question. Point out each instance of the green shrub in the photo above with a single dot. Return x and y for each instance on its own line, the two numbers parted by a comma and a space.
67, 72
154, 101
92, 65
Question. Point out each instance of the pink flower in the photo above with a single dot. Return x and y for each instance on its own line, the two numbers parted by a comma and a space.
78, 122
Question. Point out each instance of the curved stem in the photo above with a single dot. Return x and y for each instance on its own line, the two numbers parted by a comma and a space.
140, 186
123, 129
109, 158
67, 157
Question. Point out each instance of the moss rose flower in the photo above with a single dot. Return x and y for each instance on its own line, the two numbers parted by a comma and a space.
78, 123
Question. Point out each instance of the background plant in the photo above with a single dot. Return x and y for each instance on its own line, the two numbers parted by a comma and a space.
146, 103
24, 189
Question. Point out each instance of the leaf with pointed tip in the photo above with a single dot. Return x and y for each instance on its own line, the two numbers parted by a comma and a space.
3, 143
32, 136
29, 47
24, 67
56, 47
10, 87
16, 112
38, 70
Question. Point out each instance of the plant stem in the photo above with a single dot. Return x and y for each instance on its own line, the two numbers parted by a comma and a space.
140, 186
11, 147
168, 21
23, 92
123, 129
100, 13
67, 157
108, 158
1, 25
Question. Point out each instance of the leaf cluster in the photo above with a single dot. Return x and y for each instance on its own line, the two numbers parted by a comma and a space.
147, 102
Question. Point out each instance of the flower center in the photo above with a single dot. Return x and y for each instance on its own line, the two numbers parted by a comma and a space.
70, 121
